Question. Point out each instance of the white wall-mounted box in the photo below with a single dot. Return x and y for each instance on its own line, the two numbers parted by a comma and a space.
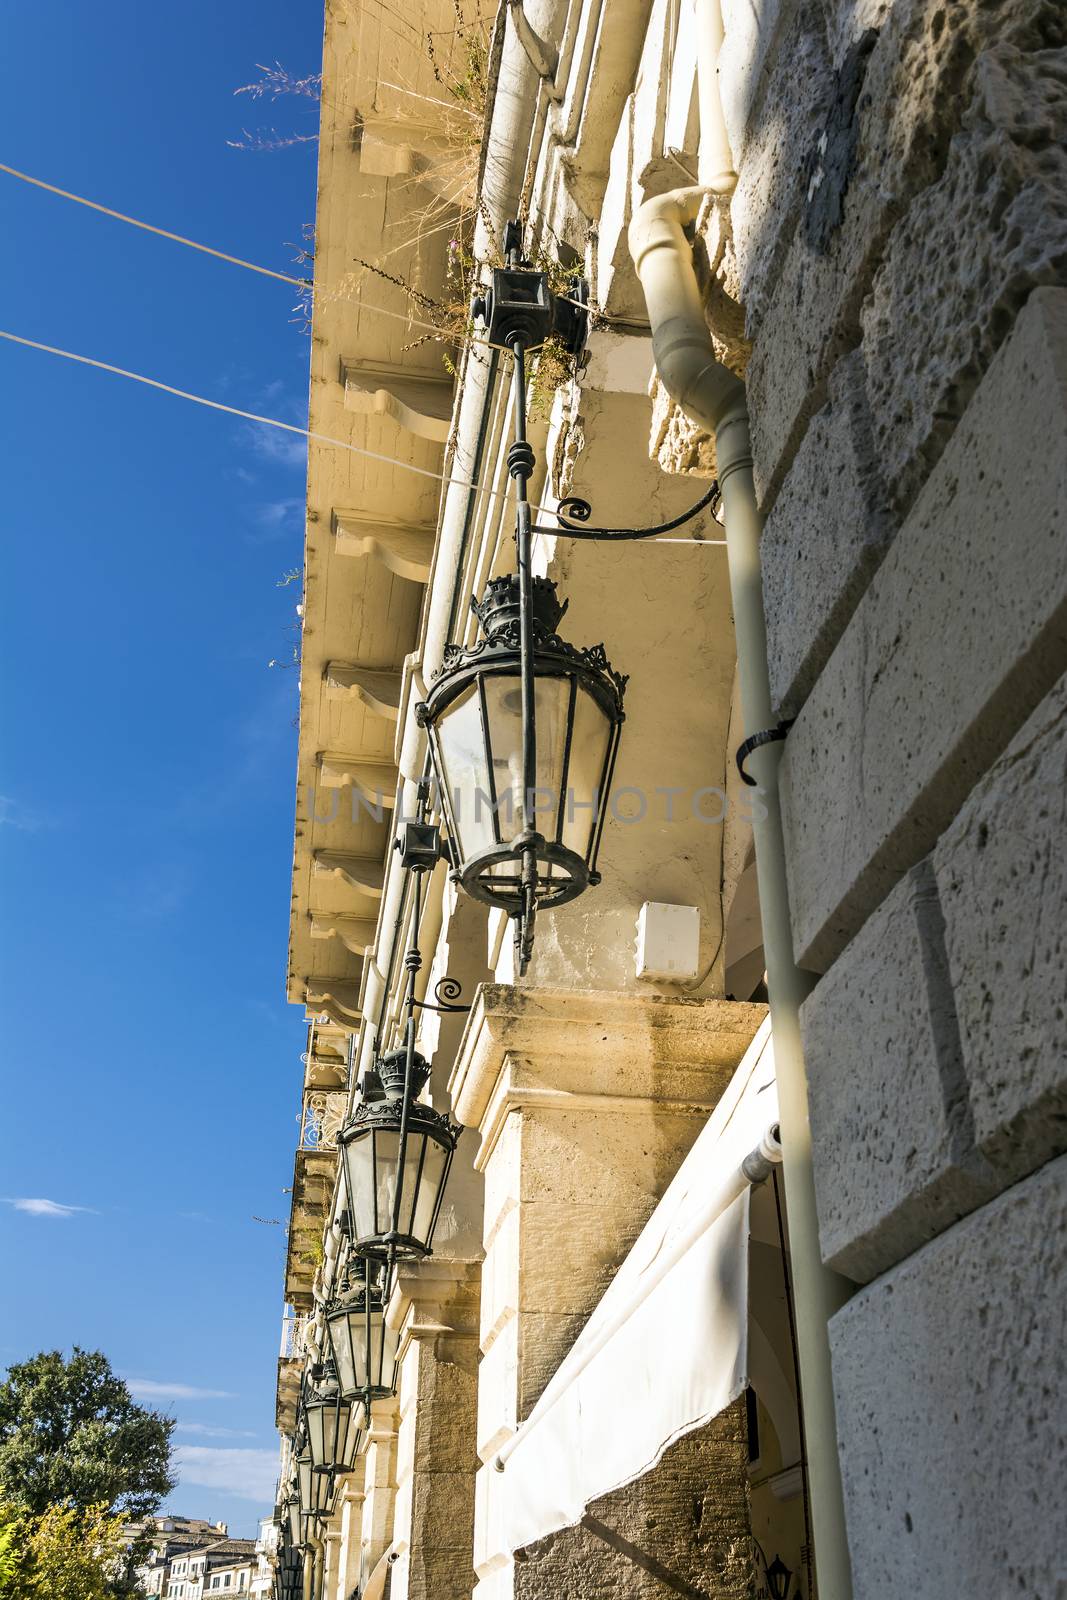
668, 942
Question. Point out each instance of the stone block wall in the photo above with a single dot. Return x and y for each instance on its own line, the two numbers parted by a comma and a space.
683, 1529
900, 227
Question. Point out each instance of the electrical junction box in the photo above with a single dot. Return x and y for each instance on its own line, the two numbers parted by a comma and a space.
668, 942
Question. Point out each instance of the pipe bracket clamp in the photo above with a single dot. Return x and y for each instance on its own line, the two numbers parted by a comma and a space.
765, 736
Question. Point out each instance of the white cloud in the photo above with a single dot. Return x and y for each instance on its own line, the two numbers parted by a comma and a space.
148, 1389
47, 1208
205, 1431
276, 520
249, 1474
14, 815
276, 444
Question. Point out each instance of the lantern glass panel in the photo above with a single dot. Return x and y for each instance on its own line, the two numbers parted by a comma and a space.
293, 1513
333, 1432
371, 1163
590, 745
363, 1209
364, 1347
465, 771
503, 701
303, 1481
323, 1489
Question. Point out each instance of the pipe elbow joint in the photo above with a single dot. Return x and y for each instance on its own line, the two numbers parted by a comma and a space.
660, 220
685, 357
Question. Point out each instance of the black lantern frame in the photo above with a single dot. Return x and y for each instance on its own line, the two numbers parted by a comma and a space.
396, 1151
294, 1524
317, 1489
396, 1154
362, 1344
289, 1573
529, 869
331, 1428
560, 826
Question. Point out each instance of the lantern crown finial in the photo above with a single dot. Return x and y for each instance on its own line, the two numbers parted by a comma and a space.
392, 1071
498, 609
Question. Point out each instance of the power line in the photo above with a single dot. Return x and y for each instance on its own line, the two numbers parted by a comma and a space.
234, 411
286, 427
164, 233
205, 249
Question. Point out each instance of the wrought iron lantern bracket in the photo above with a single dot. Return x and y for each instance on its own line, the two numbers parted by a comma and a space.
573, 513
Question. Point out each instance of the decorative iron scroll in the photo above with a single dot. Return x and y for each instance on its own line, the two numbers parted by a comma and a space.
574, 510
446, 990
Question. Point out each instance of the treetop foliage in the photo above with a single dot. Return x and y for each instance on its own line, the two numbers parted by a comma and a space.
71, 1435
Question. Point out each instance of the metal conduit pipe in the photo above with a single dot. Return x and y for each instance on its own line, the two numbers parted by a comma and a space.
507, 148
715, 398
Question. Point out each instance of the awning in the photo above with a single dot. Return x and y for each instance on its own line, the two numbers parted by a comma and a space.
667, 1348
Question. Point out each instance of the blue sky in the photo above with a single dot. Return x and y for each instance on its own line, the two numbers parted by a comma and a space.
152, 1063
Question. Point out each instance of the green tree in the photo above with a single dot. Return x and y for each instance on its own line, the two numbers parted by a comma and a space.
70, 1435
67, 1553
15, 1528
77, 1553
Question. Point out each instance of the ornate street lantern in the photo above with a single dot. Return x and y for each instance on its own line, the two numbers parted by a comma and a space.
396, 1153
779, 1579
332, 1429
523, 724
317, 1487
289, 1573
523, 728
499, 815
362, 1343
295, 1526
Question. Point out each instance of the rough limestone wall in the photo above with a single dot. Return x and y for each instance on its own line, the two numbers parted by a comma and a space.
681, 1529
900, 229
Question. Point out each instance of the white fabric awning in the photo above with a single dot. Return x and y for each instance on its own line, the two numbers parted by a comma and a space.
667, 1347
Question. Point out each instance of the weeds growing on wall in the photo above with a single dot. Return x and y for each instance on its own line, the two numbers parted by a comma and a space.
272, 82
447, 182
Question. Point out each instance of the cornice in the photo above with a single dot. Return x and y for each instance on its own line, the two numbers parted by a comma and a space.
594, 1050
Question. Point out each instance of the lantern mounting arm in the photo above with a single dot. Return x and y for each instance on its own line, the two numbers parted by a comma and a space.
574, 510
412, 965
520, 466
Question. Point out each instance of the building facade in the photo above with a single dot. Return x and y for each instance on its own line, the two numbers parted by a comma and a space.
172, 1539
823, 247
221, 1565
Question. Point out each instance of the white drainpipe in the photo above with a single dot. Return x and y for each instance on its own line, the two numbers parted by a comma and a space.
716, 162
712, 395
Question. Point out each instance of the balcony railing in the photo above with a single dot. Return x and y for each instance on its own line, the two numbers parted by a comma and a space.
294, 1328
321, 1119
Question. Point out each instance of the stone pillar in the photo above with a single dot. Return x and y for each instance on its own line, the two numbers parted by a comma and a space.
586, 1103
379, 1488
436, 1310
352, 1498
331, 1549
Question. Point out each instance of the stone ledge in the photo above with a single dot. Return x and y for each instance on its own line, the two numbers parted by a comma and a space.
607, 1050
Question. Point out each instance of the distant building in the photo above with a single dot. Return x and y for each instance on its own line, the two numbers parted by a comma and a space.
193, 1573
173, 1538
